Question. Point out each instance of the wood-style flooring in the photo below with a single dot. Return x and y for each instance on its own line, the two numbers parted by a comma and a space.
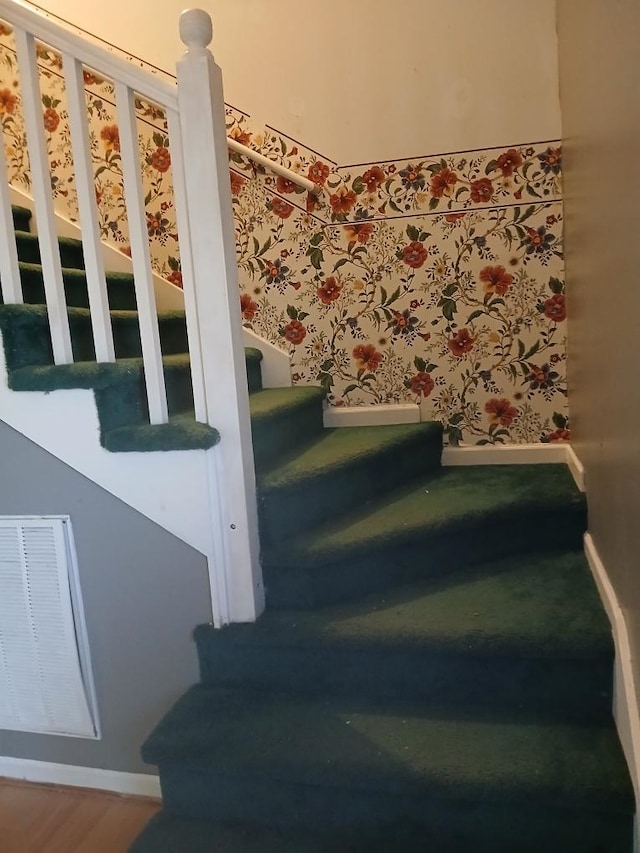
51, 819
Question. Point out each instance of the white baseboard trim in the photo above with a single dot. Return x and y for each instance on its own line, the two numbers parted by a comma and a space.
44, 772
626, 711
505, 454
345, 416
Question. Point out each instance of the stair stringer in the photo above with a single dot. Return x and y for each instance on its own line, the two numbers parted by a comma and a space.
276, 364
172, 488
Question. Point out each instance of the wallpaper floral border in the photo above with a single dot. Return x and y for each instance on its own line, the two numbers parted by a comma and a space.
436, 280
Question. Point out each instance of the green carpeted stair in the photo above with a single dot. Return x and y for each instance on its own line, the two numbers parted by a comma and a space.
434, 669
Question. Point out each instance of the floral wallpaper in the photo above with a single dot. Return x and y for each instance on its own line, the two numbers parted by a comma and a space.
437, 280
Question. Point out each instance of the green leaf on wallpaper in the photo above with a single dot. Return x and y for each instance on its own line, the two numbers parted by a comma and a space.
266, 247
350, 388
326, 365
383, 296
555, 285
391, 299
147, 198
474, 315
316, 239
256, 245
533, 350
302, 315
394, 206
450, 289
520, 348
431, 367
316, 257
158, 139
528, 212
449, 308
559, 421
413, 233
491, 166
292, 312
420, 363
424, 235
454, 435
433, 202
340, 263
358, 185
454, 420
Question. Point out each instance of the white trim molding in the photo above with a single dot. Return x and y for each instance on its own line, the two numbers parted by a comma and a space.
47, 773
382, 415
626, 711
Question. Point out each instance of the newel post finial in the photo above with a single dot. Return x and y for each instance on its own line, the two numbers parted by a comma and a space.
196, 30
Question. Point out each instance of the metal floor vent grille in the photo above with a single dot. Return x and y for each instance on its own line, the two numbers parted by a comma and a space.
45, 677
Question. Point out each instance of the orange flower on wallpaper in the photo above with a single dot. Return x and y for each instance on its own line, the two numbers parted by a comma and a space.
555, 308
160, 159
342, 200
373, 178
481, 191
414, 254
367, 357
237, 182
241, 136
8, 102
51, 120
110, 135
421, 384
248, 307
509, 162
281, 208
496, 280
330, 290
461, 343
358, 232
443, 182
318, 172
501, 412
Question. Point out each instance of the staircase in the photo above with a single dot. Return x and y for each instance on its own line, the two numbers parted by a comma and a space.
434, 668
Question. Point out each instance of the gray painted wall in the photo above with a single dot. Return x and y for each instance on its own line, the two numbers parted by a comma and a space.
599, 77
143, 590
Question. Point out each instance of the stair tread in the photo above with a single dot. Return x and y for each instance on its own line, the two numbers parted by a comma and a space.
181, 433
350, 744
271, 402
345, 446
436, 505
528, 606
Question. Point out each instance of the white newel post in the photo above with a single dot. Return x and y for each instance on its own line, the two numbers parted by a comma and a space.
217, 302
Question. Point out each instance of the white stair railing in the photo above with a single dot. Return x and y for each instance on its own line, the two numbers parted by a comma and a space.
199, 161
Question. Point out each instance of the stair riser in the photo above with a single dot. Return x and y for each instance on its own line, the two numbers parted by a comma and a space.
120, 289
354, 575
560, 690
71, 256
21, 218
410, 822
283, 432
289, 511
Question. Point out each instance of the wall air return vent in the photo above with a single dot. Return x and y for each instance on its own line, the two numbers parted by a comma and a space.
45, 676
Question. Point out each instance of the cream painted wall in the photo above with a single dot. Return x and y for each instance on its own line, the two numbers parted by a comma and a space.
599, 72
365, 80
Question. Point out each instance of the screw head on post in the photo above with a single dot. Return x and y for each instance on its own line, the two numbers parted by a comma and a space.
196, 30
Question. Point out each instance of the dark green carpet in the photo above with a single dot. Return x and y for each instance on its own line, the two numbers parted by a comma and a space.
434, 669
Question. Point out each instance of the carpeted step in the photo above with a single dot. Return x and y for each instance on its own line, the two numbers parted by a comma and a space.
167, 833
21, 217
526, 632
253, 358
460, 515
71, 254
282, 419
120, 287
340, 469
337, 764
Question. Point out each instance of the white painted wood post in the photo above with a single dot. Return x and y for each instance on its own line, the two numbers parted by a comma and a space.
210, 214
43, 201
10, 286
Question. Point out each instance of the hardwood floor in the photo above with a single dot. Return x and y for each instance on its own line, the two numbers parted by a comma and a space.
51, 819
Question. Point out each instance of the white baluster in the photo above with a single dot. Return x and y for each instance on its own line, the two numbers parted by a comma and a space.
9, 270
186, 266
206, 163
87, 208
138, 237
41, 188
